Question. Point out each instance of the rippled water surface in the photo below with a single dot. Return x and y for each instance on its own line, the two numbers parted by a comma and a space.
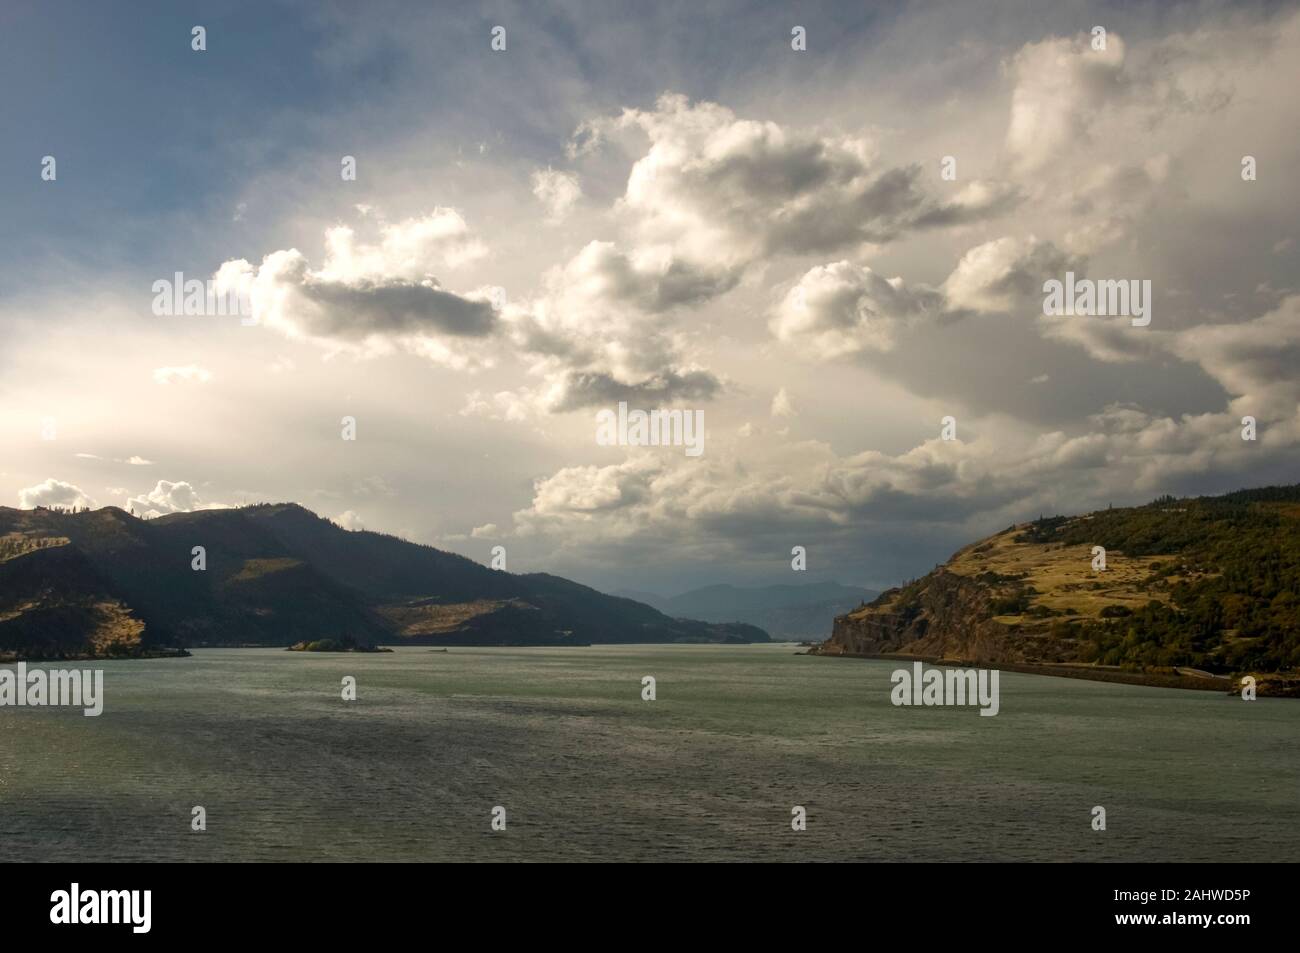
587, 770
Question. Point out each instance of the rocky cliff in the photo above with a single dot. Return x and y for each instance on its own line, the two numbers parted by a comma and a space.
945, 615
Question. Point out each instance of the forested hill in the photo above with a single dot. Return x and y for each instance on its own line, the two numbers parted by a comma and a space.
1231, 573
1209, 583
102, 582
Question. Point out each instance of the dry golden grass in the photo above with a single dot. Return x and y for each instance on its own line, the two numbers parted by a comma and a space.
116, 625
256, 568
436, 619
13, 545
1063, 575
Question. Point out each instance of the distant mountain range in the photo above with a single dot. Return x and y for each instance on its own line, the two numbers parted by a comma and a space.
104, 583
794, 612
1191, 589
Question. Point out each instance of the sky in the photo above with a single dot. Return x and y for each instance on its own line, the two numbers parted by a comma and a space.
836, 255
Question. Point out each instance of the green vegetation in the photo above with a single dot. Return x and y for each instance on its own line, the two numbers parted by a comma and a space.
335, 645
1232, 575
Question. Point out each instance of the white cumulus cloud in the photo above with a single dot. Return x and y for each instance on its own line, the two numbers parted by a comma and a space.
53, 492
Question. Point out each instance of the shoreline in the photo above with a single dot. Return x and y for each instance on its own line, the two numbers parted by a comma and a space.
15, 658
1225, 685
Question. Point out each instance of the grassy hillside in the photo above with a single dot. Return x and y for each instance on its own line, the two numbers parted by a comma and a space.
54, 604
1211, 584
1214, 582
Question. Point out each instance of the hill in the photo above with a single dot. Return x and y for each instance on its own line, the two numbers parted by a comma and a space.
1208, 585
104, 582
792, 612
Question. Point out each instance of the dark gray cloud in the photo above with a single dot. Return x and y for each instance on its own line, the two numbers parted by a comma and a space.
395, 307
593, 389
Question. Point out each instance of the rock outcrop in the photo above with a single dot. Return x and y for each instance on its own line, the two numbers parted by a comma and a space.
944, 615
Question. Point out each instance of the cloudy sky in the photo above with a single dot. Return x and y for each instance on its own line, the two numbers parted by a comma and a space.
660, 204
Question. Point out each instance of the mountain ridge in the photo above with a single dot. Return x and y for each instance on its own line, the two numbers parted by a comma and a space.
277, 574
789, 611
